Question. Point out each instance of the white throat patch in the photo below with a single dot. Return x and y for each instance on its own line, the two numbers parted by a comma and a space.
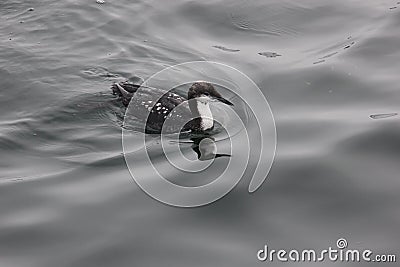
203, 106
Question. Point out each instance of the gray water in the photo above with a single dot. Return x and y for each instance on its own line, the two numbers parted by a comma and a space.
329, 69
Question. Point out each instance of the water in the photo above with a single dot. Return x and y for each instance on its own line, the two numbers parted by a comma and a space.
328, 68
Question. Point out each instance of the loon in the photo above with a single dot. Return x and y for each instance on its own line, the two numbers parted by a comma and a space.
156, 105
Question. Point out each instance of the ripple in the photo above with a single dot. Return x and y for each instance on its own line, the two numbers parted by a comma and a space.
60, 128
269, 54
225, 48
319, 62
383, 115
95, 72
346, 44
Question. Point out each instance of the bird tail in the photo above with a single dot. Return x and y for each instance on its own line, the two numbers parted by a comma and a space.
125, 90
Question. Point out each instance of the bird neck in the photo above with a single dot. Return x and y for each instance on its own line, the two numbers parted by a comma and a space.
202, 113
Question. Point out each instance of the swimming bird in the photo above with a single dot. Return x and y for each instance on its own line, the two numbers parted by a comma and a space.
156, 105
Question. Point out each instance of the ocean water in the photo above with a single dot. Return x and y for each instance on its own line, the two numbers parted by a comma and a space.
329, 69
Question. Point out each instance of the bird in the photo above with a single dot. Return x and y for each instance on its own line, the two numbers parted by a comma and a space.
154, 106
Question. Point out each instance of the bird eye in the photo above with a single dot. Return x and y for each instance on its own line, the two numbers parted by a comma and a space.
207, 93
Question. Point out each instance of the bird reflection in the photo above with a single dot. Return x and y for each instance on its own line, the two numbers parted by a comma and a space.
206, 148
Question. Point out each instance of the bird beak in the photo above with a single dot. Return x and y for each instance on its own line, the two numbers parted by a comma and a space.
223, 100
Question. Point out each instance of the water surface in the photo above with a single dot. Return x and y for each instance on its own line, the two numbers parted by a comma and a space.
330, 70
